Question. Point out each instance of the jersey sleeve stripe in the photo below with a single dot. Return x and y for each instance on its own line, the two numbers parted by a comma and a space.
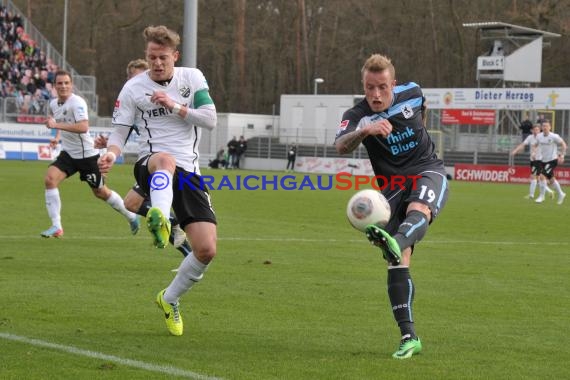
404, 87
396, 108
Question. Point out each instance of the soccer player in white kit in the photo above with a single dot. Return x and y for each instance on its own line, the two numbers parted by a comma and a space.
535, 161
170, 105
69, 116
552, 149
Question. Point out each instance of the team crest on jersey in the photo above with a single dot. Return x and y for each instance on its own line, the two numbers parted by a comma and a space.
343, 125
407, 111
184, 91
116, 109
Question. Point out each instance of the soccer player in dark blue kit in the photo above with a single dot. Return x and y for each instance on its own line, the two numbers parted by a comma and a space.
389, 122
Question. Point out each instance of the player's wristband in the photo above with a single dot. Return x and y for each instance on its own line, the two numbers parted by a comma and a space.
113, 155
176, 109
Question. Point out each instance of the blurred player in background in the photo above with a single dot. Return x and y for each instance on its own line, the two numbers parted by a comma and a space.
551, 149
69, 116
390, 123
535, 161
175, 104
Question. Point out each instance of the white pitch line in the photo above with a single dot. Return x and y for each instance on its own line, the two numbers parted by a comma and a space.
305, 240
168, 370
446, 242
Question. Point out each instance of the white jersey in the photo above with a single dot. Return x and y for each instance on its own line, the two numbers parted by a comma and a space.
160, 129
548, 146
72, 111
531, 141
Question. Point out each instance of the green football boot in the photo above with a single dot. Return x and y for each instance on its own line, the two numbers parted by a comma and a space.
408, 347
158, 226
387, 244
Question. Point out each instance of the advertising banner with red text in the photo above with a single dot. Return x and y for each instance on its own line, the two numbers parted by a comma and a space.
468, 117
503, 173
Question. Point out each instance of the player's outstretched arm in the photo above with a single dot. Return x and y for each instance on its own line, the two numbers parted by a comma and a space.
107, 160
55, 140
81, 126
350, 141
517, 149
100, 142
562, 152
115, 144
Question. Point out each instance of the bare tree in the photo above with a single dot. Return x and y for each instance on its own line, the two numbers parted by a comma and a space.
240, 50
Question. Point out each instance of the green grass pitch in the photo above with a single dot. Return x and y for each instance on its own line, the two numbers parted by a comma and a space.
294, 292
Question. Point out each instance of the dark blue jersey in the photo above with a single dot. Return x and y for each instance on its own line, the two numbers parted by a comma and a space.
408, 150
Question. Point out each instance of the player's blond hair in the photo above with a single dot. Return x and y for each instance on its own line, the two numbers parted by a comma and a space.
136, 64
377, 63
162, 35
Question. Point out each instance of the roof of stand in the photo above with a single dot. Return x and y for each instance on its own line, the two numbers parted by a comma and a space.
494, 29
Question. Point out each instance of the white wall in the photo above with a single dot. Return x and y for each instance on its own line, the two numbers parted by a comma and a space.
237, 124
312, 119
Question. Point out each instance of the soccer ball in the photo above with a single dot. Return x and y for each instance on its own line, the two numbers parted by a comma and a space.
368, 207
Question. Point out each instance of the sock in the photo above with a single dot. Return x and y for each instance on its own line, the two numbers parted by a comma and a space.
117, 203
53, 205
173, 220
191, 271
401, 292
145, 206
532, 188
412, 229
161, 197
548, 189
542, 187
185, 249
556, 186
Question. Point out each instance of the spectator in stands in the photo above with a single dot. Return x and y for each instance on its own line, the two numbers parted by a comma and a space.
24, 68
526, 128
220, 160
37, 104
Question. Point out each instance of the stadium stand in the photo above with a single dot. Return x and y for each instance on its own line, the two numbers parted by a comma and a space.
25, 73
